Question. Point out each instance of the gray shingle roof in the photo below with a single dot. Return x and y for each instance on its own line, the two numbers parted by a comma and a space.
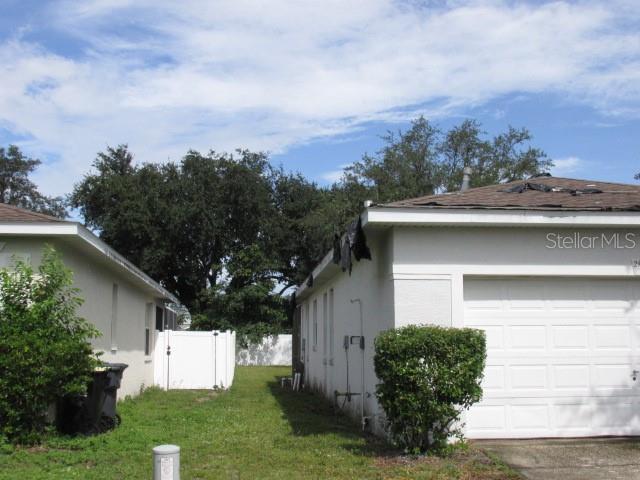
13, 214
538, 193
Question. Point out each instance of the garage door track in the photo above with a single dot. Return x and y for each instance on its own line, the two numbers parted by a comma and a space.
570, 459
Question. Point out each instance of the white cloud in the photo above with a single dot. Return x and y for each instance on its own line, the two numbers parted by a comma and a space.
165, 76
567, 166
333, 176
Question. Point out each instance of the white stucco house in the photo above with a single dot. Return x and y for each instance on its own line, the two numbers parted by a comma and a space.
125, 304
549, 268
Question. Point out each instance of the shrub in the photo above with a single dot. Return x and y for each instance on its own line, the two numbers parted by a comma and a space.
44, 346
429, 375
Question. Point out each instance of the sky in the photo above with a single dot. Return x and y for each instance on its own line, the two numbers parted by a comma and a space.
315, 83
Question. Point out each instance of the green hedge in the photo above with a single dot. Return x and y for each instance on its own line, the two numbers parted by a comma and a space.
429, 375
44, 346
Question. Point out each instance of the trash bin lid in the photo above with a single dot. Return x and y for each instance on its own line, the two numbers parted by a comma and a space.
115, 366
166, 449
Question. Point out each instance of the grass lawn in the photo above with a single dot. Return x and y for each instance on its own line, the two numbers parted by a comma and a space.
253, 431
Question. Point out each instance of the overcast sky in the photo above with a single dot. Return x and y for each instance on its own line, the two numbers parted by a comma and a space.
315, 83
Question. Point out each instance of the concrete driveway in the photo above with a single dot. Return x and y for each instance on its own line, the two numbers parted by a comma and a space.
570, 459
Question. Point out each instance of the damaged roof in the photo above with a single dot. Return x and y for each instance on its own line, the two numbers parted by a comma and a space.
537, 193
10, 213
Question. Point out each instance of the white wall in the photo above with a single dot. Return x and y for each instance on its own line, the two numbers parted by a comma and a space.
417, 276
430, 263
95, 279
273, 350
370, 282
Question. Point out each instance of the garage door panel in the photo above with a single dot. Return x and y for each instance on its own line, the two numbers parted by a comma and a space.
527, 337
569, 378
572, 337
608, 337
560, 356
612, 377
494, 379
530, 417
528, 377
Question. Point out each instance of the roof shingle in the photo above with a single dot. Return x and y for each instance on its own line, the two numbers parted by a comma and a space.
538, 193
13, 214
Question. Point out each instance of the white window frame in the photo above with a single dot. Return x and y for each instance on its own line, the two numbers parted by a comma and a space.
315, 325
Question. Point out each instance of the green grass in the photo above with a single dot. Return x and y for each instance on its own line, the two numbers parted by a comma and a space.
254, 431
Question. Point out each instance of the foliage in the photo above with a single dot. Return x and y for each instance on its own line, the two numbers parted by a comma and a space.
44, 346
181, 223
424, 160
17, 189
231, 235
428, 376
254, 430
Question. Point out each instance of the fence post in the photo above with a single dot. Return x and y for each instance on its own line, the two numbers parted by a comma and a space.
215, 359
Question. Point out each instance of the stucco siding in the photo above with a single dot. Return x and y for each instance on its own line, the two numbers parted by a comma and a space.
418, 274
425, 257
370, 281
95, 279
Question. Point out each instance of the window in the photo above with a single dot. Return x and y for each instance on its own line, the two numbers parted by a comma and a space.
315, 325
114, 317
147, 328
159, 319
325, 326
307, 330
331, 327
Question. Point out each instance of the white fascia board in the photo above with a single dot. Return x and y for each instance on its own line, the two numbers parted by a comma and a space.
39, 229
327, 261
122, 262
431, 216
416, 216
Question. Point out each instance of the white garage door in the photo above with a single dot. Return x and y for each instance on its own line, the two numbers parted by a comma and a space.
561, 357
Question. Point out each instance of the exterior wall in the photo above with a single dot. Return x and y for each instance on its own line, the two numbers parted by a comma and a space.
370, 282
95, 279
273, 350
430, 263
417, 277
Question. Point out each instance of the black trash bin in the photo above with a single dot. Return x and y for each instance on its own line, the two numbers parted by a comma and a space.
95, 412
82, 413
109, 416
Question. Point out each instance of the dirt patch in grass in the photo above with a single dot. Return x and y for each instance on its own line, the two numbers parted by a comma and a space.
209, 396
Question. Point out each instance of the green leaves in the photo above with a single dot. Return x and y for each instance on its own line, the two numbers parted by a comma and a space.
424, 160
44, 347
428, 376
17, 189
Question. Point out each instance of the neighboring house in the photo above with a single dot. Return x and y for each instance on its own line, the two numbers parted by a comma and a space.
549, 268
126, 305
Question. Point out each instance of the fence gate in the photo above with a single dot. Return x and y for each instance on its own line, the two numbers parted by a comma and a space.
194, 360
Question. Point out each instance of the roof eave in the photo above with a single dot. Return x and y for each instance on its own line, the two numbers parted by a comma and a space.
385, 215
74, 229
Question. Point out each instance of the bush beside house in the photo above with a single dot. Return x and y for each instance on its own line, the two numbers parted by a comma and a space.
428, 376
44, 346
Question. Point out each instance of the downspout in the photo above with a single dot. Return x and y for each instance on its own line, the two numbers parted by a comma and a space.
363, 419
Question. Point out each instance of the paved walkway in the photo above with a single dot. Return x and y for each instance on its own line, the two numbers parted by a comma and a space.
570, 459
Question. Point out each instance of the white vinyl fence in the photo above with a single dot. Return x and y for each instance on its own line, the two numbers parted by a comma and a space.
273, 350
196, 360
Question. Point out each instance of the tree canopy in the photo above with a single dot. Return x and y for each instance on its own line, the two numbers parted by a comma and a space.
425, 160
231, 234
17, 189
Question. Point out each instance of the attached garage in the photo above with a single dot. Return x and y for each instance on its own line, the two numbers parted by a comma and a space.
548, 267
563, 355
